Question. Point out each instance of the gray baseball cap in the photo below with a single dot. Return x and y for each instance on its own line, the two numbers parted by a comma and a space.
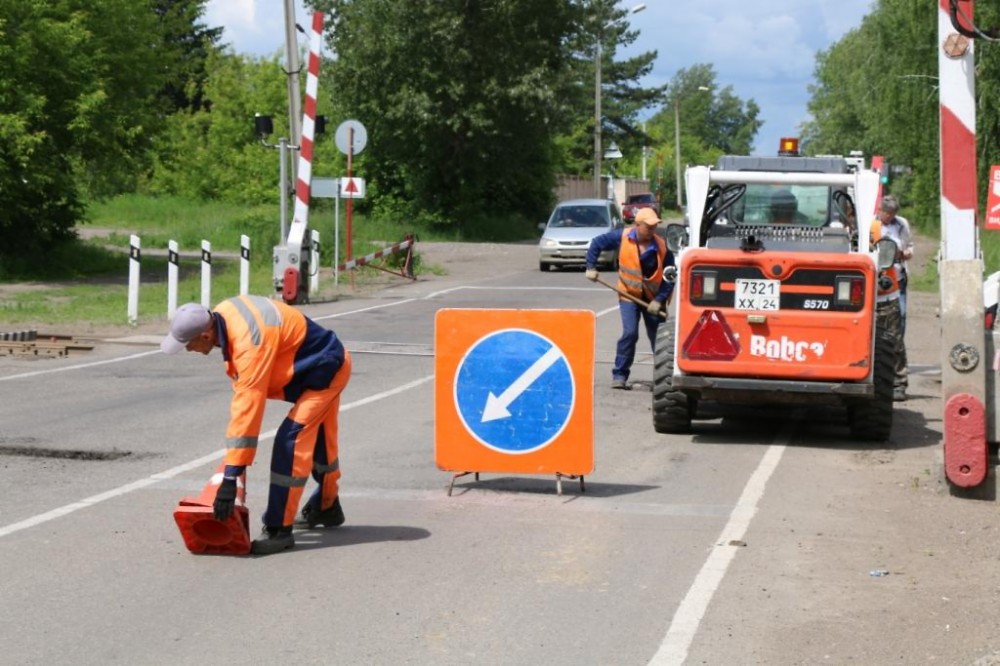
190, 320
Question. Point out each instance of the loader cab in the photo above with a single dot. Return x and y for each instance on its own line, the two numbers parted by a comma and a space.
806, 213
801, 204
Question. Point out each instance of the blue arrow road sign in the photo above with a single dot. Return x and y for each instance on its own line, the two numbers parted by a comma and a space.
514, 391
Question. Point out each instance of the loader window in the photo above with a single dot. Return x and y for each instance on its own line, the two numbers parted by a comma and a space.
803, 205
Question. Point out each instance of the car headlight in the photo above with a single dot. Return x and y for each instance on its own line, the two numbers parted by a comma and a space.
548, 242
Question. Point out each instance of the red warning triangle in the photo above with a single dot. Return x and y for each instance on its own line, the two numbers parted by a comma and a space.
351, 186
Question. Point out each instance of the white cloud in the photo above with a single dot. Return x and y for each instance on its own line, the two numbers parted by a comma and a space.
765, 48
255, 27
236, 15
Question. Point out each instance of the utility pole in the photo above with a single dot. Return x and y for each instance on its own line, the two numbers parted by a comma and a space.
292, 72
597, 99
597, 118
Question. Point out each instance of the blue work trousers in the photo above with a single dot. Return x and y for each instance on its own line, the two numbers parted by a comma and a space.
631, 313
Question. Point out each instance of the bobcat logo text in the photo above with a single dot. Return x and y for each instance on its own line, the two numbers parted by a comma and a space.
785, 349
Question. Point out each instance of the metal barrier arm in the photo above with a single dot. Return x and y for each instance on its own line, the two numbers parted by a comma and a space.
406, 244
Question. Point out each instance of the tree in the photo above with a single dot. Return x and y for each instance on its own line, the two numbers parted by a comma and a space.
622, 98
473, 107
77, 84
212, 152
458, 100
876, 91
191, 41
713, 122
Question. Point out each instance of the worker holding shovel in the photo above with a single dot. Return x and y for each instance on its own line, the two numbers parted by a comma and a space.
643, 292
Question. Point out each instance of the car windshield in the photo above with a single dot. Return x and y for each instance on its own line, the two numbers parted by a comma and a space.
580, 216
794, 204
641, 198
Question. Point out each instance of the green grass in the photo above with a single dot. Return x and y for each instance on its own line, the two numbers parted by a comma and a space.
87, 280
927, 278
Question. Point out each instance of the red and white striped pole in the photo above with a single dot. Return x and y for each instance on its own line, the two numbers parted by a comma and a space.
956, 69
963, 362
298, 243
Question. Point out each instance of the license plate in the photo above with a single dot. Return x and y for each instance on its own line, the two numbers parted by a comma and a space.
758, 294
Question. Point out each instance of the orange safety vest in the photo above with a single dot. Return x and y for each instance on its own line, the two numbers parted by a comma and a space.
630, 279
884, 294
271, 350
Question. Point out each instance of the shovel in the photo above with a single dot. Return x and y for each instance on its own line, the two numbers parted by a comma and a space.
662, 314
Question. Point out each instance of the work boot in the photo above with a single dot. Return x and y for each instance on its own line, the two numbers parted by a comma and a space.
273, 540
619, 384
899, 394
312, 516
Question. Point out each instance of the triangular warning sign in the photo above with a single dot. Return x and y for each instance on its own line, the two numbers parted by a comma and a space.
352, 187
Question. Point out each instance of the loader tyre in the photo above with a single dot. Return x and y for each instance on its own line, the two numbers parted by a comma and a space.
872, 419
672, 409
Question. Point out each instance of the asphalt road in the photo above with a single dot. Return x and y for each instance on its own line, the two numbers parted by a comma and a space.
751, 541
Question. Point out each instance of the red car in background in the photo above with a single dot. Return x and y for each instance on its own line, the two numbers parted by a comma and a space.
636, 201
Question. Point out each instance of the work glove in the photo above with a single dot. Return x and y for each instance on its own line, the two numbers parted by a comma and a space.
225, 499
654, 307
591, 274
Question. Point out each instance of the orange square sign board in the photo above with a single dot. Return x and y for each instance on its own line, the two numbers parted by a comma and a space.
514, 391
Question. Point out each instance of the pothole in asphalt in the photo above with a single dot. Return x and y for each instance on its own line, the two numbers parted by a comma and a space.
61, 454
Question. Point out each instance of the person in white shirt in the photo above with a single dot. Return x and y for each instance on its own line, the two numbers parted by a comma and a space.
897, 228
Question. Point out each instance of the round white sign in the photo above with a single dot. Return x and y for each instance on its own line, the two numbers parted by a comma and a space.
343, 138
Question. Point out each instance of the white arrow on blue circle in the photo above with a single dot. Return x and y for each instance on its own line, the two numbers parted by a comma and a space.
496, 407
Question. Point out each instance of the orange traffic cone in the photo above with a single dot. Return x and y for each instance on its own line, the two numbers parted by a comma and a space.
204, 534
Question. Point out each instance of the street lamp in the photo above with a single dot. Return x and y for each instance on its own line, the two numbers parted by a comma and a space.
677, 143
597, 104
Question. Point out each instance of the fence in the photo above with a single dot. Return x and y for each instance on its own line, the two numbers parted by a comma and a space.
579, 187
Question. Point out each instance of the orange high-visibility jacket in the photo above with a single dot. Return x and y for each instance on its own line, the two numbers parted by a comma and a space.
630, 277
892, 291
271, 350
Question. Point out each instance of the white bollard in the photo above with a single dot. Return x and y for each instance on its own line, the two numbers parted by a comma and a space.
206, 274
313, 261
133, 280
173, 275
244, 265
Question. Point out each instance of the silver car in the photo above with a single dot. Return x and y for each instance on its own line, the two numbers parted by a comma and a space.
572, 225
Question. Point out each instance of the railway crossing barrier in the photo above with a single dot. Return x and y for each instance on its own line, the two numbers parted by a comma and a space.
405, 245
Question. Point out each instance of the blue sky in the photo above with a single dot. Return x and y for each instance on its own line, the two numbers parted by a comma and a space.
764, 49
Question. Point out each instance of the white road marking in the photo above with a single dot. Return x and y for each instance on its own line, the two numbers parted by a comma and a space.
194, 464
110, 494
130, 357
174, 471
674, 648
79, 366
373, 307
